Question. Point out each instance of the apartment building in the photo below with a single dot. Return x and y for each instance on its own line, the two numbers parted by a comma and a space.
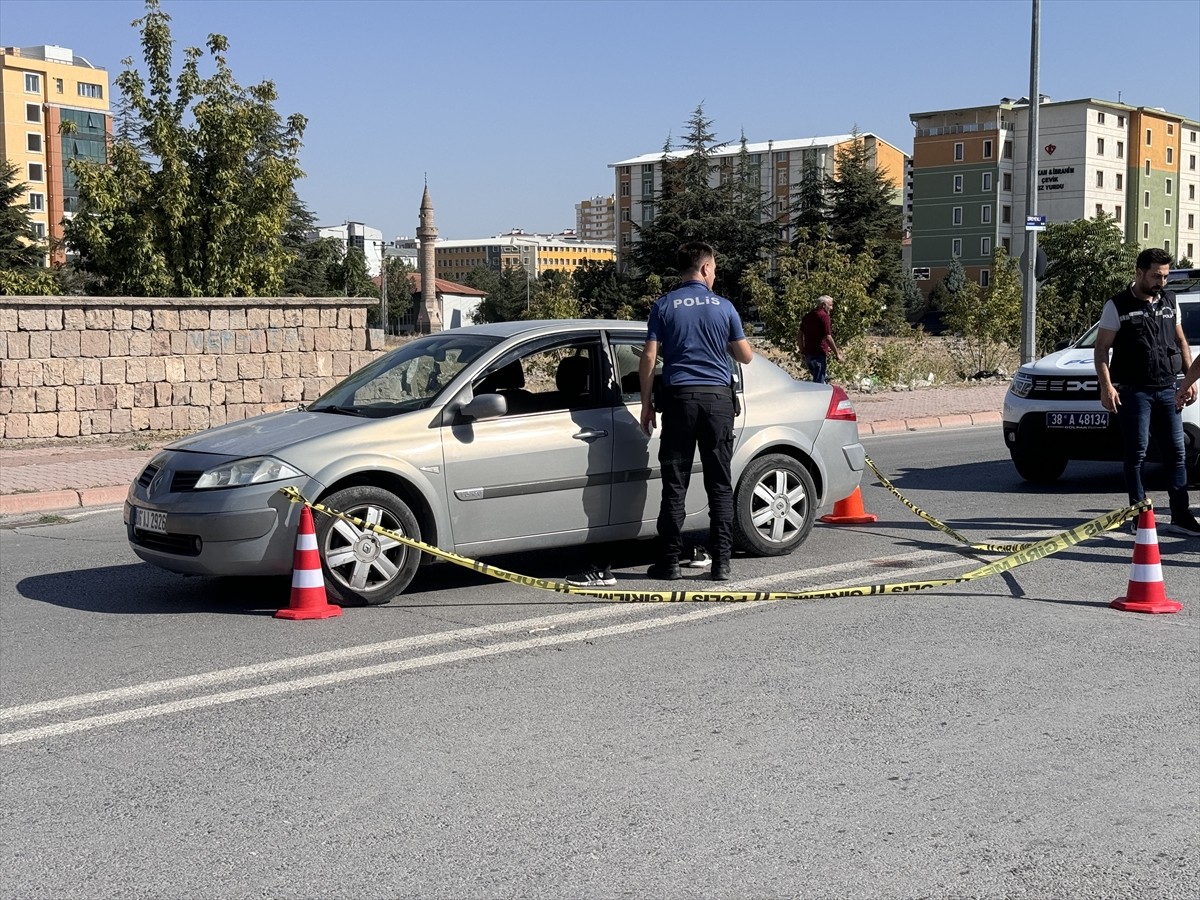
778, 166
595, 219
1135, 164
535, 253
369, 241
53, 108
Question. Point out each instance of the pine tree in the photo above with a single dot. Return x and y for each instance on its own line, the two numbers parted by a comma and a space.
19, 245
862, 207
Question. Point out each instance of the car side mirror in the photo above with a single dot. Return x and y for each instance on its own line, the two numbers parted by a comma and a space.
485, 406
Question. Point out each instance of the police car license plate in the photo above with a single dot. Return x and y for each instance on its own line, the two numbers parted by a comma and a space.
1084, 420
150, 520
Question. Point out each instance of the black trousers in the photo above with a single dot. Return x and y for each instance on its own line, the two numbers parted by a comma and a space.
696, 418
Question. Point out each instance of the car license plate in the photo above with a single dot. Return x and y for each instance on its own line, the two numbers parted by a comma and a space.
1084, 420
150, 520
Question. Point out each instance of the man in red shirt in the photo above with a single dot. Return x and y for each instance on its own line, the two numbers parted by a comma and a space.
815, 340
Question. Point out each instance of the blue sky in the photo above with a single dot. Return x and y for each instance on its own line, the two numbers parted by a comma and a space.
515, 109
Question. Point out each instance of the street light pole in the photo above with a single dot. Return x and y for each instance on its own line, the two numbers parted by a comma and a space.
383, 280
1029, 301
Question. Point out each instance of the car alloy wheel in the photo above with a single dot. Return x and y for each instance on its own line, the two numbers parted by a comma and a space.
360, 565
774, 506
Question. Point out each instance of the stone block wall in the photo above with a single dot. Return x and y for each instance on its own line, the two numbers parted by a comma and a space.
75, 366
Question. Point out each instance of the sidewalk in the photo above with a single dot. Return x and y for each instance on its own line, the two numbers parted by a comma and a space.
72, 474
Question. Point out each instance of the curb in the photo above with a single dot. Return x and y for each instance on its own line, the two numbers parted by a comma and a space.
927, 423
50, 501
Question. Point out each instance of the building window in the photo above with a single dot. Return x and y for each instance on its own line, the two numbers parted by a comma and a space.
1006, 181
1191, 192
624, 170
985, 214
956, 217
91, 91
958, 184
1166, 217
1145, 230
985, 247
1170, 154
1099, 210
36, 172
1170, 128
1099, 146
987, 149
39, 230
1192, 161
624, 188
1146, 199
985, 277
1120, 121
1117, 213
58, 85
625, 215
1191, 221
958, 152
1170, 186
1149, 133
987, 182
1006, 215
1120, 149
1006, 243
33, 112
37, 202
1191, 251
1099, 118
1167, 245
33, 142
1099, 178
1120, 180
33, 83
956, 247
1008, 149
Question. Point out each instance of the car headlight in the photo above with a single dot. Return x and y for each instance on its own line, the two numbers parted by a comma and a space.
255, 470
1022, 384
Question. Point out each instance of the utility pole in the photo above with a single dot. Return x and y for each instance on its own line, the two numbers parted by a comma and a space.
383, 280
1029, 300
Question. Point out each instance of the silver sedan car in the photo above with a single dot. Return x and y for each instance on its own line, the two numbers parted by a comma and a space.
481, 440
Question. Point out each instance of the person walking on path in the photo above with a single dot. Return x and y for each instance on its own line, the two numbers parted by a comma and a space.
1141, 327
696, 332
815, 340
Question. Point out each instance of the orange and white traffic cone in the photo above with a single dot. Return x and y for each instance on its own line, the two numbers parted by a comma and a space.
308, 581
850, 511
1146, 592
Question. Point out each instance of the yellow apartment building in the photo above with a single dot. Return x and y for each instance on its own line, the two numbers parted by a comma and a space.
41, 90
535, 253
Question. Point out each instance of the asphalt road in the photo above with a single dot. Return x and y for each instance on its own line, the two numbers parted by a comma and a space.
1010, 737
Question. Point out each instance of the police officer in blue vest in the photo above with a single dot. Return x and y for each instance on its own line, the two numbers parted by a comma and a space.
1149, 351
695, 331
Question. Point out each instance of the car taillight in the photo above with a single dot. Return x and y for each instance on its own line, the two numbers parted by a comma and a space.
839, 406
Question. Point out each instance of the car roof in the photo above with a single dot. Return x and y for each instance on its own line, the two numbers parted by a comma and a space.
1184, 281
535, 326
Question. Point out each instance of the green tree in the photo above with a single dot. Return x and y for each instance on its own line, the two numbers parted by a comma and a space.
199, 184
354, 278
1089, 262
508, 293
816, 266
20, 247
400, 287
689, 207
987, 320
862, 208
554, 298
606, 292
809, 206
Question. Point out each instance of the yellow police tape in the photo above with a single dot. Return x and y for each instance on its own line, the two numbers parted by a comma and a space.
1027, 554
943, 527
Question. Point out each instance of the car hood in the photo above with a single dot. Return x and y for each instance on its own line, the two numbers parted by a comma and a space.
267, 434
1065, 362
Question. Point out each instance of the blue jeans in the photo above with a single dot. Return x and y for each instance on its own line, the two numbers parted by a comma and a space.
817, 364
1146, 410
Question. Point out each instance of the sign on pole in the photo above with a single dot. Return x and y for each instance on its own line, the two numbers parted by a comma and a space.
1035, 223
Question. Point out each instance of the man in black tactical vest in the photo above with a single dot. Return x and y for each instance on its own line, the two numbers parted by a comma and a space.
1149, 351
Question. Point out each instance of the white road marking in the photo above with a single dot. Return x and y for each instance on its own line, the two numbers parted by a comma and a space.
209, 679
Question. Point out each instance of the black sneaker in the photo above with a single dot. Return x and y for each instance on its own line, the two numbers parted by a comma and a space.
593, 577
1188, 527
721, 572
698, 559
664, 571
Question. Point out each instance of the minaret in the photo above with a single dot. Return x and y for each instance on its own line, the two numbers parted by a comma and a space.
429, 316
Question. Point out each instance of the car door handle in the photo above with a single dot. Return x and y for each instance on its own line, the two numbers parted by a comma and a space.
589, 435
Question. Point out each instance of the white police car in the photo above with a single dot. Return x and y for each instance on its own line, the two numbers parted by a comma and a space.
1052, 411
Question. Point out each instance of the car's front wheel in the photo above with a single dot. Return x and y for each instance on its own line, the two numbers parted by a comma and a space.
1042, 468
362, 567
774, 506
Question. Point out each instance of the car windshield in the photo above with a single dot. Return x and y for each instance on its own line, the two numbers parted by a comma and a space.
408, 378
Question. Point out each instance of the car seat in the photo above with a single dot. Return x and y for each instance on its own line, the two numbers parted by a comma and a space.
572, 378
509, 382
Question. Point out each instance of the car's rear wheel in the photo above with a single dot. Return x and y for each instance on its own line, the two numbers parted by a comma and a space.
774, 506
362, 567
1043, 468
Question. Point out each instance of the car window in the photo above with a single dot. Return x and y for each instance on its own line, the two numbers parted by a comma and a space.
627, 352
1189, 316
409, 378
563, 375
